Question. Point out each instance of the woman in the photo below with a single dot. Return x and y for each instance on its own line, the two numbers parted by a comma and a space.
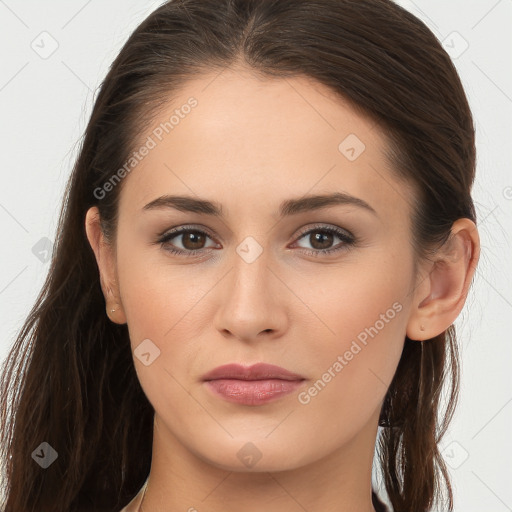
188, 351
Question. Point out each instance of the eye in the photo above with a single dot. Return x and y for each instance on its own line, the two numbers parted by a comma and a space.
320, 237
192, 240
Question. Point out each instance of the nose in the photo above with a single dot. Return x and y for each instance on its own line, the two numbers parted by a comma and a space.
252, 299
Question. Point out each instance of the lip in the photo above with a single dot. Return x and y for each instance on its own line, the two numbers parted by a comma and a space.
258, 371
254, 385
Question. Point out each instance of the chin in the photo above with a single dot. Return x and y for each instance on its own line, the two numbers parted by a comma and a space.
253, 455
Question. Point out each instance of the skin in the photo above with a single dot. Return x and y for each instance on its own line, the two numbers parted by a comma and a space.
251, 144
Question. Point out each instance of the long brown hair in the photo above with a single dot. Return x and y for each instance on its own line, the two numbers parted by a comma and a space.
69, 379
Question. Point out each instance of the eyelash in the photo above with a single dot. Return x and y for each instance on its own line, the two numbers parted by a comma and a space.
347, 238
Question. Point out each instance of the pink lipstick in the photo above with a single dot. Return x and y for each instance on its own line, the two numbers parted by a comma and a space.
254, 385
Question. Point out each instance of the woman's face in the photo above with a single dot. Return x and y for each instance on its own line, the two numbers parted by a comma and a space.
261, 286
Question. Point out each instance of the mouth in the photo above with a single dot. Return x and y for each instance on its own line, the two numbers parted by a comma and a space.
254, 385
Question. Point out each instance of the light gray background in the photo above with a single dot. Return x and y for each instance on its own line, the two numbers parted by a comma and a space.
45, 103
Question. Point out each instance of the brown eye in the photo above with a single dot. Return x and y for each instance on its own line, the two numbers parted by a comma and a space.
192, 241
321, 239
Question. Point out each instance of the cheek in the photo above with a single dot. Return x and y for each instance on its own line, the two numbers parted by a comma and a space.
167, 304
155, 293
159, 302
358, 334
362, 298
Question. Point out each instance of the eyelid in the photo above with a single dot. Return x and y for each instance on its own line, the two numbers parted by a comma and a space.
326, 227
302, 231
183, 227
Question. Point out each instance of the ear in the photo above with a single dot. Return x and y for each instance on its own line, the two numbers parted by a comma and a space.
440, 296
106, 260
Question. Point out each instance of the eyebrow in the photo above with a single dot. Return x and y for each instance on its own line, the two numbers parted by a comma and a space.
287, 208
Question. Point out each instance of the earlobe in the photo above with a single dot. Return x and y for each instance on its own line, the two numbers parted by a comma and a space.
106, 266
440, 296
116, 313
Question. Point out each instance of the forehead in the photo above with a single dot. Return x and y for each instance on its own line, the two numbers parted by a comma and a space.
246, 141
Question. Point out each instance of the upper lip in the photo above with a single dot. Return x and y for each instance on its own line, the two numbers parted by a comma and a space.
257, 371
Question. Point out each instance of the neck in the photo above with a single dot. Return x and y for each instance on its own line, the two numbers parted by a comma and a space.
180, 480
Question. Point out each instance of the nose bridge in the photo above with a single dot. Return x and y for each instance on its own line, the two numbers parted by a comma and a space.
248, 304
251, 269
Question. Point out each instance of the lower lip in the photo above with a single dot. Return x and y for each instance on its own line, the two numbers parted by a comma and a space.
253, 392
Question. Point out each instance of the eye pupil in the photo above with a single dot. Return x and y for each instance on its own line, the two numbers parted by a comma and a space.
195, 238
317, 238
